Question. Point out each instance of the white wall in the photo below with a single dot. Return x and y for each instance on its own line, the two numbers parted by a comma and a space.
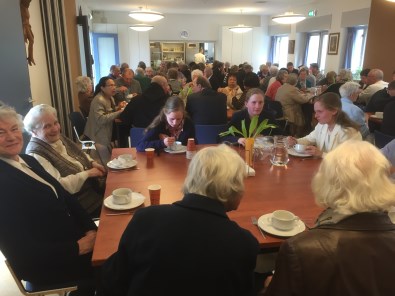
39, 83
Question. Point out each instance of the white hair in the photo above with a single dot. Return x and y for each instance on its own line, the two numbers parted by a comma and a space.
354, 178
32, 119
7, 112
348, 88
216, 172
82, 83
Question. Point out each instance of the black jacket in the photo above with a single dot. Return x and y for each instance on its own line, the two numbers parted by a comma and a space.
187, 248
207, 107
142, 109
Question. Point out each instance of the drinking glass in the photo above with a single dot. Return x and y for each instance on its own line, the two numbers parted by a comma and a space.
263, 147
280, 151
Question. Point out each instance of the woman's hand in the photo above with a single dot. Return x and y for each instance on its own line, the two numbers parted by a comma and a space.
241, 141
86, 243
169, 141
313, 150
99, 167
291, 141
94, 172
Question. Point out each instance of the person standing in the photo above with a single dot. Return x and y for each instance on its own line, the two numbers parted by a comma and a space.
200, 57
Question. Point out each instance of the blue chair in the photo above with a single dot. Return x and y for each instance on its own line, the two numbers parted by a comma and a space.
380, 139
136, 134
208, 134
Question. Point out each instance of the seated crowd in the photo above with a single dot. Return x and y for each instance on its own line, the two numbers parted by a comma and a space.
55, 189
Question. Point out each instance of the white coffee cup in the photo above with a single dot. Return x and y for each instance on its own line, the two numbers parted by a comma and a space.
176, 146
121, 196
283, 220
300, 148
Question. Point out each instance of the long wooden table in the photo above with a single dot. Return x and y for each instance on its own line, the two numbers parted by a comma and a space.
271, 189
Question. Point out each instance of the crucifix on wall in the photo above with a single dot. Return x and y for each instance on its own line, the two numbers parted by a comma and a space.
27, 29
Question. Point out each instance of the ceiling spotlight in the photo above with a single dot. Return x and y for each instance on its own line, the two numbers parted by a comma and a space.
145, 15
288, 18
240, 29
141, 27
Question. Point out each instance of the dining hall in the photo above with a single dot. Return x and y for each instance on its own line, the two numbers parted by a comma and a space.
197, 147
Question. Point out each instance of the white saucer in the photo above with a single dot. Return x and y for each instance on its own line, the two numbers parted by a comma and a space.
182, 150
265, 224
116, 164
137, 200
291, 151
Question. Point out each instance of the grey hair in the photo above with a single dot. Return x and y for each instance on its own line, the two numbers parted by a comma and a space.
140, 71
82, 83
377, 73
348, 88
354, 178
273, 70
32, 119
292, 79
216, 172
7, 112
196, 73
345, 75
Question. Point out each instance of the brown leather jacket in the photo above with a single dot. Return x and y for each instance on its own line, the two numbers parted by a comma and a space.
356, 256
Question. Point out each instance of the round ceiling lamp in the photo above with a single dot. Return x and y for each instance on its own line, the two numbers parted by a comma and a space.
240, 29
145, 15
288, 18
141, 27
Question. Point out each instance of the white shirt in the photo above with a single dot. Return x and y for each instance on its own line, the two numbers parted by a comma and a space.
72, 183
25, 168
367, 93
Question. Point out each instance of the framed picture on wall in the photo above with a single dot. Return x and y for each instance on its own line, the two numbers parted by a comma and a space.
291, 46
333, 44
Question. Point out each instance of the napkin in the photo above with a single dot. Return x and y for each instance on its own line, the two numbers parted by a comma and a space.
250, 171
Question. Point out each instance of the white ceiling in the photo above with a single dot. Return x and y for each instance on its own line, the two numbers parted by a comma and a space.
248, 7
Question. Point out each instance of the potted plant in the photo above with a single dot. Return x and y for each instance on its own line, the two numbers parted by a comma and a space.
253, 131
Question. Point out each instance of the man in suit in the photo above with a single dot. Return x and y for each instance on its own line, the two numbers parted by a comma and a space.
206, 106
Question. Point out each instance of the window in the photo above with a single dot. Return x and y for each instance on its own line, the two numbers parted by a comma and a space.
355, 50
279, 50
316, 49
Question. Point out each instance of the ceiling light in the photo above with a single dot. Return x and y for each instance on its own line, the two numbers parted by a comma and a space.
141, 27
288, 18
145, 15
240, 29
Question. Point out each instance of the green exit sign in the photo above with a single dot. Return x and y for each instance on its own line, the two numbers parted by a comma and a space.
312, 13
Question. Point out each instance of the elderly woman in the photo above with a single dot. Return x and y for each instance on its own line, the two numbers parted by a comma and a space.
349, 251
233, 92
334, 127
349, 92
85, 94
341, 78
44, 233
101, 117
272, 89
181, 240
63, 159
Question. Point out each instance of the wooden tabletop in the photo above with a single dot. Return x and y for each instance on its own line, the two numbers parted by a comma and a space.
272, 188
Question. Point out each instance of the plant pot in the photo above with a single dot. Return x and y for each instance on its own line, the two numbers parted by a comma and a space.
249, 151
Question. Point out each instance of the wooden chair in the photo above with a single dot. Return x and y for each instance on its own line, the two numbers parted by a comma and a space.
208, 134
58, 291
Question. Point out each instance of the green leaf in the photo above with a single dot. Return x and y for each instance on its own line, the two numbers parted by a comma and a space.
243, 128
253, 124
